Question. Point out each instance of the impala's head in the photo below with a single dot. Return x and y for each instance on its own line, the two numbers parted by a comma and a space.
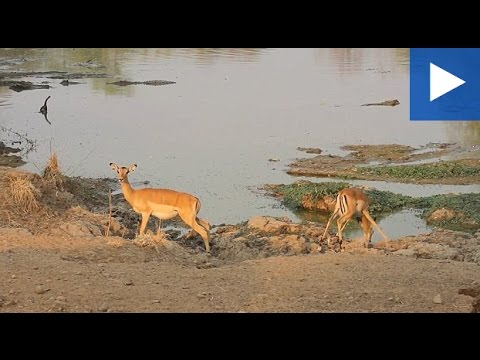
123, 171
367, 228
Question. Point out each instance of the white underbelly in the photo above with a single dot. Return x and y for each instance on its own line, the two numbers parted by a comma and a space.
165, 213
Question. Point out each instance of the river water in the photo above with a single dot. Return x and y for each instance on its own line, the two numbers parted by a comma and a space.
213, 132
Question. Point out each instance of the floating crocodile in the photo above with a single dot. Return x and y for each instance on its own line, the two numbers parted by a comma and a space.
384, 103
149, 82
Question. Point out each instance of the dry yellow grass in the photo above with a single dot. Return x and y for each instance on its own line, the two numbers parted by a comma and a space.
23, 192
154, 241
52, 173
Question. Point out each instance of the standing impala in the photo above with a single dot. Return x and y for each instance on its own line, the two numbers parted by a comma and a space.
353, 202
164, 204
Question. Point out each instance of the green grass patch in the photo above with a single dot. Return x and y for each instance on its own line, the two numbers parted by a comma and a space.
467, 207
387, 201
439, 170
293, 194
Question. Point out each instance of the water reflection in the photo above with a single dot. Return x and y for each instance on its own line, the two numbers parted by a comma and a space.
111, 59
465, 132
208, 56
357, 60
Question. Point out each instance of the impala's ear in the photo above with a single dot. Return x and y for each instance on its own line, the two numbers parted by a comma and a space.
114, 166
132, 168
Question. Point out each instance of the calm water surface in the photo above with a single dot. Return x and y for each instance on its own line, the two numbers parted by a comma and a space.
230, 111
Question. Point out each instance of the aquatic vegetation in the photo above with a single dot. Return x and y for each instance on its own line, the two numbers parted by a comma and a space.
438, 170
462, 210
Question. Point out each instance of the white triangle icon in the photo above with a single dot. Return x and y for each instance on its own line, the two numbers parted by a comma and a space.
442, 81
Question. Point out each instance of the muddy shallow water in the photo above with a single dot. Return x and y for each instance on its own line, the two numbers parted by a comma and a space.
213, 131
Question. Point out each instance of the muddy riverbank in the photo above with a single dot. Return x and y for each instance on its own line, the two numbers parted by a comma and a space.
56, 257
430, 164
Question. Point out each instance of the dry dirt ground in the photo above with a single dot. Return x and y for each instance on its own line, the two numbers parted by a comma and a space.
55, 257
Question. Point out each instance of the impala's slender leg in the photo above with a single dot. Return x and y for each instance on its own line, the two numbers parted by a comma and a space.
190, 219
145, 217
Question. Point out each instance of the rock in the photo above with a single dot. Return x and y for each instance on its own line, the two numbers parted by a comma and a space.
314, 248
310, 150
40, 289
437, 299
473, 291
314, 232
431, 251
103, 308
267, 224
129, 283
442, 214
291, 244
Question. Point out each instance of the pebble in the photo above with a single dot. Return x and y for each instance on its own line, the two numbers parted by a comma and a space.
40, 289
437, 299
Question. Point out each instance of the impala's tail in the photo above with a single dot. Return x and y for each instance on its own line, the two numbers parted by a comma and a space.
203, 223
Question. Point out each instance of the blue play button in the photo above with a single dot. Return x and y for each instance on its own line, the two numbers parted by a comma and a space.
444, 84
